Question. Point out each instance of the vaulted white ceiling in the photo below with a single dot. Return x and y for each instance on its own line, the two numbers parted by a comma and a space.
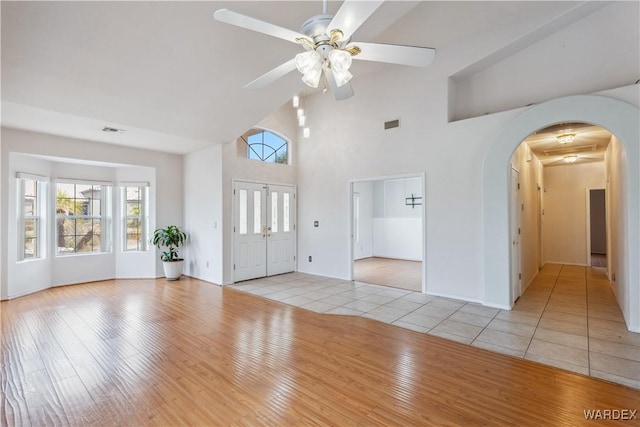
172, 77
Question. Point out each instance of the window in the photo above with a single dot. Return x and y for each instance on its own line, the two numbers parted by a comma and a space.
285, 212
81, 217
264, 146
243, 211
274, 212
30, 194
135, 212
257, 212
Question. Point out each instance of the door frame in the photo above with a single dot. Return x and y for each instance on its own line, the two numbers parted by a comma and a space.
515, 289
233, 220
606, 223
350, 222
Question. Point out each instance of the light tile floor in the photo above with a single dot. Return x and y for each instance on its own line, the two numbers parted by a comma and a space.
568, 317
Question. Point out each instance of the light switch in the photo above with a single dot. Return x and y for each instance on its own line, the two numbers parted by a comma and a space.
316, 223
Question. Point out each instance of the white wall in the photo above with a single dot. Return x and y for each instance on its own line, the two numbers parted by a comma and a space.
349, 143
565, 210
203, 213
363, 248
616, 212
500, 87
397, 227
69, 158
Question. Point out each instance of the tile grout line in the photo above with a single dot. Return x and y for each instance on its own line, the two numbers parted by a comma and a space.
485, 327
555, 283
586, 293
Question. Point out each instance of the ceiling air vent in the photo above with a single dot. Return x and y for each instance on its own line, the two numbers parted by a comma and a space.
392, 124
112, 130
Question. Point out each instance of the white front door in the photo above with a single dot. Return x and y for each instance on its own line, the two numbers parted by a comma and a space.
516, 276
250, 231
280, 230
264, 230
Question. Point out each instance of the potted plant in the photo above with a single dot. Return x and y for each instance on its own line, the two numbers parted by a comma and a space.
171, 238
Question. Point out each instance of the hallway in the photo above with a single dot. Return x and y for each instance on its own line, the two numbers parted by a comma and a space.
567, 318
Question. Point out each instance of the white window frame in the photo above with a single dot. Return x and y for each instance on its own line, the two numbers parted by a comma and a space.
104, 217
38, 215
262, 156
143, 188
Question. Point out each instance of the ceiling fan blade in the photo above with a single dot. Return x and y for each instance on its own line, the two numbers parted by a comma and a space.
395, 54
339, 93
351, 15
230, 17
273, 75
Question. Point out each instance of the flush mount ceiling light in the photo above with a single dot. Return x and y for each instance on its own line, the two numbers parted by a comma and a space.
565, 138
328, 49
570, 159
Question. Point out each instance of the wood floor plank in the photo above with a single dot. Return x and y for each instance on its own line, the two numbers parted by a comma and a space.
152, 352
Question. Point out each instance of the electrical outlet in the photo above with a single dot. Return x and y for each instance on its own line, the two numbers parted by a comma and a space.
310, 258
207, 264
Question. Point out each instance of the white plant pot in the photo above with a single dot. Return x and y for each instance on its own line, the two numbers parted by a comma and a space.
172, 269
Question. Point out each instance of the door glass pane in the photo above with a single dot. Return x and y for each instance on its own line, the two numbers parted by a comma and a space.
243, 212
274, 212
285, 212
257, 213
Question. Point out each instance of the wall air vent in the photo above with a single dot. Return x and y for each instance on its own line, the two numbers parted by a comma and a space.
392, 124
112, 130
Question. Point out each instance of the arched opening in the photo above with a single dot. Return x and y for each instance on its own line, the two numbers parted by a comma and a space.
622, 120
559, 201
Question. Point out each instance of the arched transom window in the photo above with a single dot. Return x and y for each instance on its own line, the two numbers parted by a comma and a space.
264, 146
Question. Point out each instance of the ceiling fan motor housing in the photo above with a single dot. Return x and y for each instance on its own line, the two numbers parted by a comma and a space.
316, 29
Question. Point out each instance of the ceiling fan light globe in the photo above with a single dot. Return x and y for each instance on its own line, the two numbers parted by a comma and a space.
312, 77
342, 77
307, 61
340, 60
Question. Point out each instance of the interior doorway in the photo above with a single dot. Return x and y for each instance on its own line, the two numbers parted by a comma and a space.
597, 241
264, 230
387, 232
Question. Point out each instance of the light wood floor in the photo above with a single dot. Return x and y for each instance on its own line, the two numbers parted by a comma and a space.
152, 352
396, 273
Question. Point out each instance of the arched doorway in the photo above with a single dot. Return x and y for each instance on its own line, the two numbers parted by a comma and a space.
621, 119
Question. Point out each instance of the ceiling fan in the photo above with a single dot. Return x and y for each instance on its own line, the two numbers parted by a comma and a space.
328, 48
